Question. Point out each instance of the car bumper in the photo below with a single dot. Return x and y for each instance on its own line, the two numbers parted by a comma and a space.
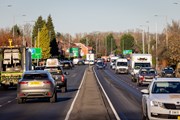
45, 93
163, 114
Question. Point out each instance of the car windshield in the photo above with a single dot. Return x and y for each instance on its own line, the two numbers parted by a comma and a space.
35, 76
122, 64
166, 87
168, 70
54, 70
148, 71
100, 63
139, 65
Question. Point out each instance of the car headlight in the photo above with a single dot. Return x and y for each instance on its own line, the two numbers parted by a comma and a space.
156, 104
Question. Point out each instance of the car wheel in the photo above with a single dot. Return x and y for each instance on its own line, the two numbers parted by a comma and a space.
19, 100
53, 99
63, 89
138, 84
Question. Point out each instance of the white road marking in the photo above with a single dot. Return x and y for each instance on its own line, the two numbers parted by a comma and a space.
72, 105
112, 107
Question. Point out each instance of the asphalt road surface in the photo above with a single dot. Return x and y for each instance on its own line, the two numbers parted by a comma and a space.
124, 94
41, 109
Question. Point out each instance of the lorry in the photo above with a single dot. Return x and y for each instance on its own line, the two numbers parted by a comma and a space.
121, 65
14, 60
90, 58
137, 61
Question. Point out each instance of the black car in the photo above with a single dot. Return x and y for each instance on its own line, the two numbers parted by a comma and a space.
80, 62
60, 77
168, 72
67, 64
100, 65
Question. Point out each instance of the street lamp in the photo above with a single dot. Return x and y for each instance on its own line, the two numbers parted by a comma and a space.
143, 40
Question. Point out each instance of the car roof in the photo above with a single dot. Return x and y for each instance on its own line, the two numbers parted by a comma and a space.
167, 79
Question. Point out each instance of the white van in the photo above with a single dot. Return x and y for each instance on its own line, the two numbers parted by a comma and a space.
121, 65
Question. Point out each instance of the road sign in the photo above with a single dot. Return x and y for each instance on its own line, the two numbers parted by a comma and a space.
36, 53
125, 52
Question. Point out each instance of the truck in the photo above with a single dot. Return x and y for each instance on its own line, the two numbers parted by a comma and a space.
121, 65
90, 58
137, 61
14, 60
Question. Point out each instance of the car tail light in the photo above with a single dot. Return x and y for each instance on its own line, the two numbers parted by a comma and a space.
62, 78
141, 78
49, 93
21, 94
47, 82
23, 82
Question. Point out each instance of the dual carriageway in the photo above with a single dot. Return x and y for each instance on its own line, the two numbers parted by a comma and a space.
124, 95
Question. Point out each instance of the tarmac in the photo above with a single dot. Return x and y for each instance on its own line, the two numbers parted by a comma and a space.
91, 103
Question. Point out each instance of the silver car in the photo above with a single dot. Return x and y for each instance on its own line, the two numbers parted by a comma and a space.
36, 84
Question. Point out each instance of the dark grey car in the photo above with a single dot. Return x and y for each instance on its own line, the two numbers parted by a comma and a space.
146, 75
36, 84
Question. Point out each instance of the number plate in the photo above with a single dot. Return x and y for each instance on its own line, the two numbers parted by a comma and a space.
35, 83
178, 117
175, 112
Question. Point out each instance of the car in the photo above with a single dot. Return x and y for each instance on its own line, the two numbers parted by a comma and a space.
100, 65
161, 100
67, 64
145, 75
36, 84
80, 62
168, 72
60, 77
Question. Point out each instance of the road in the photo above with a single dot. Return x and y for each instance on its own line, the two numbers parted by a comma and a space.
41, 109
124, 94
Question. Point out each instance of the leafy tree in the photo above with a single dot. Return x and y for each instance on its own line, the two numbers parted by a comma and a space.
16, 31
88, 41
43, 42
53, 44
111, 44
54, 49
50, 27
127, 42
37, 27
173, 49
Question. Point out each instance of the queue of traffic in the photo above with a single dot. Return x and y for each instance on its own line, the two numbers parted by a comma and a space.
161, 99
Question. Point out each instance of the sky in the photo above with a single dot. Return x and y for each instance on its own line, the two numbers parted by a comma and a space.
86, 16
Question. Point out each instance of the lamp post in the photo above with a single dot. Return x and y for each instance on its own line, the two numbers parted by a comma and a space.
143, 39
156, 47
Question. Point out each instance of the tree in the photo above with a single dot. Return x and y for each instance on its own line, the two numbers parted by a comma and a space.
50, 27
43, 42
127, 42
37, 27
16, 31
53, 44
173, 49
54, 49
111, 45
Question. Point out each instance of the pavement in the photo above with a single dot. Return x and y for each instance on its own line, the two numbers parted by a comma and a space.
91, 103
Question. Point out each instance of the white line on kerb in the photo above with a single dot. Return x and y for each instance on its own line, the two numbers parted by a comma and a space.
112, 107
72, 105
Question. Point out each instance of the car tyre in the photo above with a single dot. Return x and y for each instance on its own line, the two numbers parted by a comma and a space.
19, 100
53, 99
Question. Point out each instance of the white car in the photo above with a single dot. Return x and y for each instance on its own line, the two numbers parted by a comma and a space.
161, 101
